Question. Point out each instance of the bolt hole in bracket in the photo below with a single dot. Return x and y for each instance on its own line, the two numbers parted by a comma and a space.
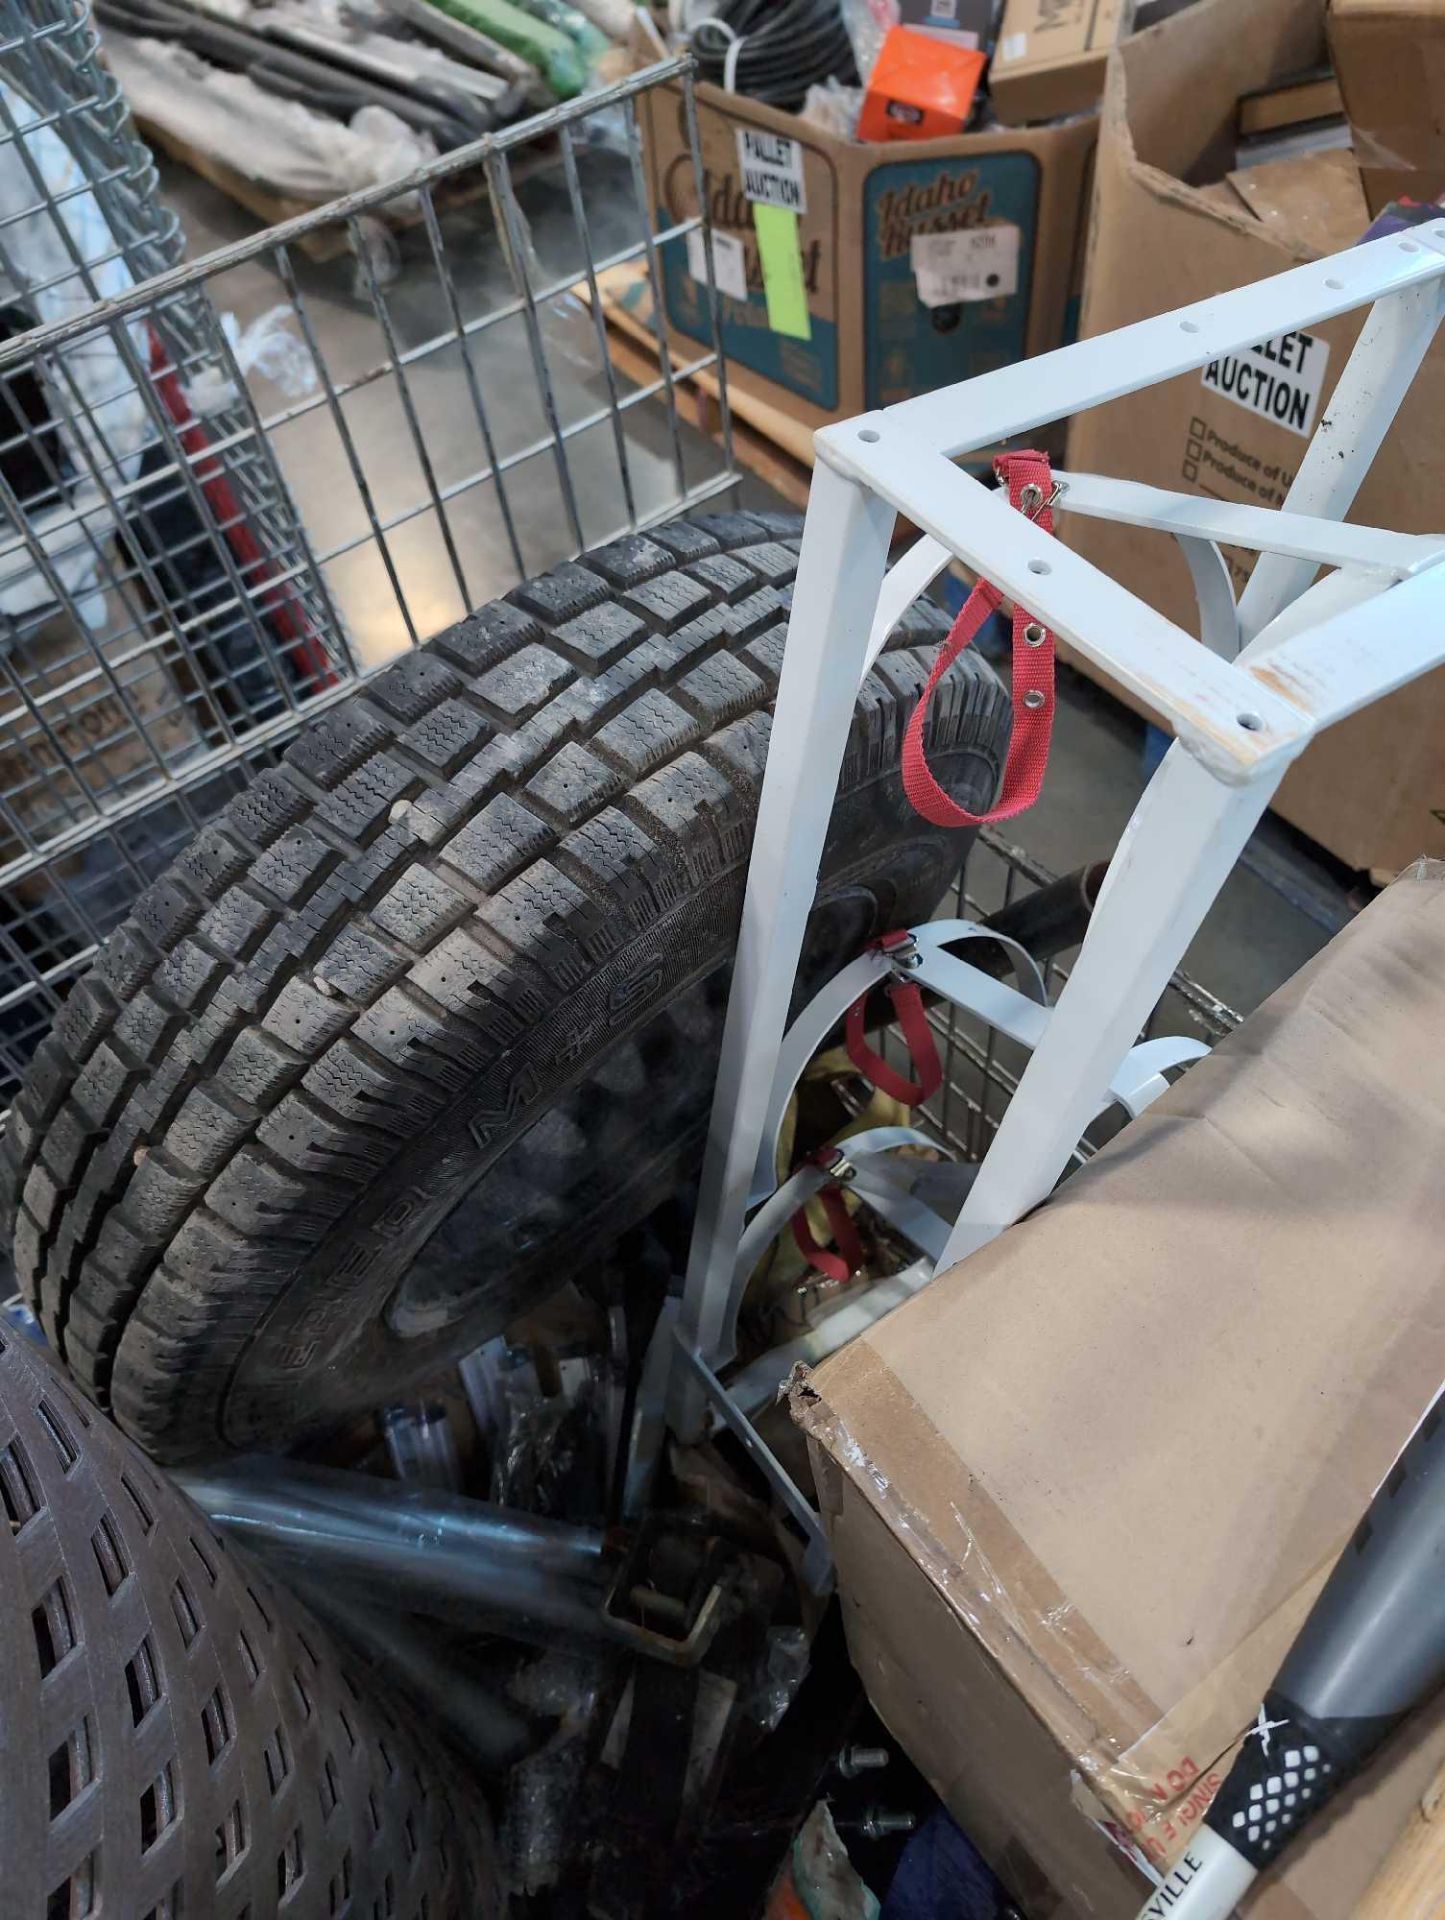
1334, 617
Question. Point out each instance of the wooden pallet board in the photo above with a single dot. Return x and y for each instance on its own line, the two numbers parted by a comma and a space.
270, 206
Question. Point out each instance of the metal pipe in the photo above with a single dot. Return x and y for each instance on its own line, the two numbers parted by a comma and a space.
1047, 921
492, 1731
437, 1553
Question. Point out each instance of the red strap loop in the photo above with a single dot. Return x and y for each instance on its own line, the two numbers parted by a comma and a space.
839, 1266
907, 998
1033, 676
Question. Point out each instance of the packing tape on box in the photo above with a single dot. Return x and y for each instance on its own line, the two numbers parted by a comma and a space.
1151, 1774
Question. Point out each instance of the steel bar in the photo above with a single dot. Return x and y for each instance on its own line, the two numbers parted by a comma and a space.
1291, 532
415, 1547
845, 549
364, 200
1185, 836
1199, 695
495, 1734
1013, 400
1385, 359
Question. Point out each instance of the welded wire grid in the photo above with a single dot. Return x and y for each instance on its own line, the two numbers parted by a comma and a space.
201, 544
981, 1068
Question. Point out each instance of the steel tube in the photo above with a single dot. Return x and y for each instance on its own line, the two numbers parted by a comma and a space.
438, 1553
489, 1727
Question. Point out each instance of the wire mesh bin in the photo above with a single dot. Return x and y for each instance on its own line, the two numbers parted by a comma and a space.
981, 1068
232, 487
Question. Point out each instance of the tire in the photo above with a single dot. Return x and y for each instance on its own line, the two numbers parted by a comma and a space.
477, 924
180, 1738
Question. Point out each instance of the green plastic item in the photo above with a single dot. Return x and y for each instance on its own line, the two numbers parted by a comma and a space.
562, 62
567, 19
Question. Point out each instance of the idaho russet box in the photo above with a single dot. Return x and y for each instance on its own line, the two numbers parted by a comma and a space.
861, 211
1172, 225
1083, 1489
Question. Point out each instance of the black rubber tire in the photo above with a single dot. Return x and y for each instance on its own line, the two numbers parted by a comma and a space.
181, 1739
479, 922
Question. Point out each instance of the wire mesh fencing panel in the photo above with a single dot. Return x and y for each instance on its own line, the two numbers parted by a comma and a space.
981, 1067
231, 487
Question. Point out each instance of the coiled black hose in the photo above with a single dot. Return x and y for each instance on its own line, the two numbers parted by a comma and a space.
785, 46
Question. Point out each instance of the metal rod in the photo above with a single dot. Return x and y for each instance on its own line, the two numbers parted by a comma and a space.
654, 281
408, 407
484, 425
422, 1549
599, 323
493, 1732
348, 443
337, 211
514, 233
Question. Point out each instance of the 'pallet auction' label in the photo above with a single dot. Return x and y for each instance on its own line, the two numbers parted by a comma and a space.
1280, 379
771, 166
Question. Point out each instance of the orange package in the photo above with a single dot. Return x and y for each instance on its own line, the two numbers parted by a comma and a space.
920, 88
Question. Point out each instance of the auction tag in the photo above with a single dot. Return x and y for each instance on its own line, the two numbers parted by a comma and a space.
729, 262
1279, 379
976, 263
781, 258
771, 166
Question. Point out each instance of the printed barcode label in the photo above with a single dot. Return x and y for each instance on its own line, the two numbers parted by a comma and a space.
978, 263
729, 260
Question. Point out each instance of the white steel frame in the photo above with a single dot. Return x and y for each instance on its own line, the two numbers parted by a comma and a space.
1290, 659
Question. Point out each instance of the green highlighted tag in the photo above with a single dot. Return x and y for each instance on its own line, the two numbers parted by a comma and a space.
781, 255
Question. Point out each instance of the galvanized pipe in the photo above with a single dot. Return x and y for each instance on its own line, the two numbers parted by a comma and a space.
414, 1547
489, 1727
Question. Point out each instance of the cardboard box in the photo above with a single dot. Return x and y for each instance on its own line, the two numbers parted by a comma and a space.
1390, 60
860, 209
1084, 1488
1373, 789
1050, 57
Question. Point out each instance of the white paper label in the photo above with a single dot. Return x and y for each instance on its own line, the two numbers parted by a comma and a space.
771, 166
1281, 379
978, 263
1013, 46
729, 262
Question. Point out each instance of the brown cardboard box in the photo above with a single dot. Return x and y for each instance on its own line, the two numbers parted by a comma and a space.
1390, 59
1083, 1489
1050, 57
1373, 789
872, 341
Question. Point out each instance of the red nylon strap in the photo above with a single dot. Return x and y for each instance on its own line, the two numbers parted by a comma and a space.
907, 1001
839, 1266
1033, 679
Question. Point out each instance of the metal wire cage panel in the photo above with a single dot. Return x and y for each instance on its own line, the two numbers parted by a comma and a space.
981, 1067
230, 488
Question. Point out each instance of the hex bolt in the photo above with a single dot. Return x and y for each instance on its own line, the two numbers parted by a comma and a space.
855, 1760
877, 1823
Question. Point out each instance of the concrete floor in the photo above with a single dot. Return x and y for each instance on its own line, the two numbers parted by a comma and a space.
1280, 905
349, 316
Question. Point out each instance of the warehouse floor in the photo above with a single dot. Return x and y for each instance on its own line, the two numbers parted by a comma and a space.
1281, 904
